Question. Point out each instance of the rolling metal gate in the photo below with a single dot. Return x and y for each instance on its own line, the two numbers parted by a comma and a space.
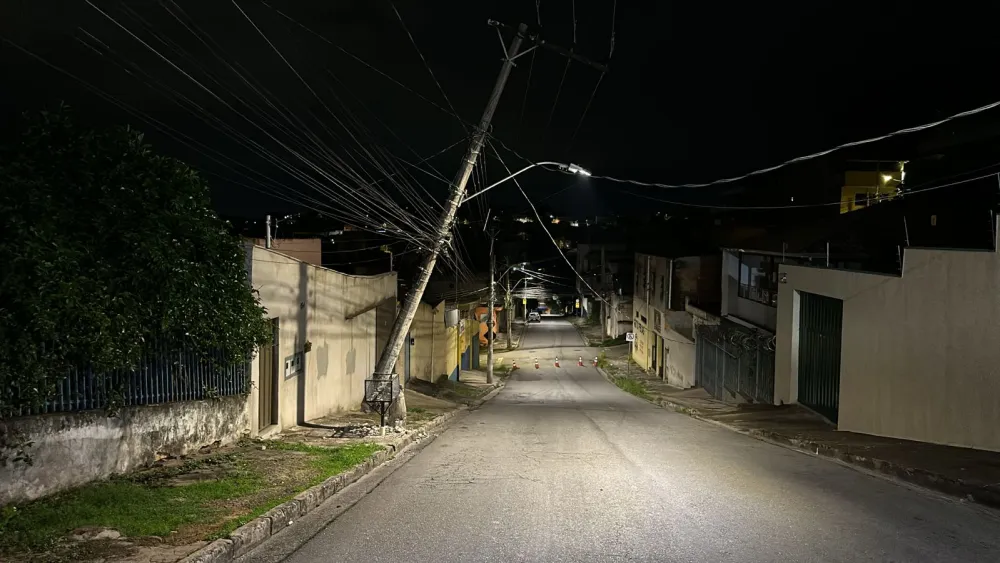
820, 325
732, 360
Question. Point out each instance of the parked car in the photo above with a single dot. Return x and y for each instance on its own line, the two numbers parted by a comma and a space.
534, 317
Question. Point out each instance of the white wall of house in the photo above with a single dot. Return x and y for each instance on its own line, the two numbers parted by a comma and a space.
312, 304
619, 317
919, 356
759, 314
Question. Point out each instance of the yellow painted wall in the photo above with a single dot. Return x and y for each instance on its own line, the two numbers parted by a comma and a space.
869, 183
311, 304
434, 351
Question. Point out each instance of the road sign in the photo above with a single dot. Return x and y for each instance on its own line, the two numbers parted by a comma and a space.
524, 301
629, 337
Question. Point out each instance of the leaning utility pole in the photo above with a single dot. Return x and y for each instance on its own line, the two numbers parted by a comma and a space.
387, 361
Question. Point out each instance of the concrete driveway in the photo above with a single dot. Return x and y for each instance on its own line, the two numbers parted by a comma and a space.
563, 466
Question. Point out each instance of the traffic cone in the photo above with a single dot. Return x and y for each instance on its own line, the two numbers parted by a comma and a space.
514, 366
580, 361
557, 362
536, 363
595, 361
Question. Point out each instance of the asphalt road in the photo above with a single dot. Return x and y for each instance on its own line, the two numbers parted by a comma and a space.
563, 466
552, 332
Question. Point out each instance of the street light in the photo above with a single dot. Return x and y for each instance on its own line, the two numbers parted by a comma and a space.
562, 167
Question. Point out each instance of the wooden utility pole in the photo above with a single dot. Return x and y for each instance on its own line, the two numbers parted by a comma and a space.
384, 368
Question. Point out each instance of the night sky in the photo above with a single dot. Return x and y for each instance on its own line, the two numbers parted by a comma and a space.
695, 90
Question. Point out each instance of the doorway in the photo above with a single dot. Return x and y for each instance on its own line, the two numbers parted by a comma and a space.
267, 396
653, 364
820, 326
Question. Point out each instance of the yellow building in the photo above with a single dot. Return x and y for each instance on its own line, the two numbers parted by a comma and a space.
871, 183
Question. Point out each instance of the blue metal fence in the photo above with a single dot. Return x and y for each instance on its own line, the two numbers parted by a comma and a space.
159, 377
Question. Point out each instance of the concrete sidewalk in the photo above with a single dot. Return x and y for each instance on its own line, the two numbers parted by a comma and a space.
973, 475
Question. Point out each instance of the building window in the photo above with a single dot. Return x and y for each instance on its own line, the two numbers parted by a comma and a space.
663, 284
759, 279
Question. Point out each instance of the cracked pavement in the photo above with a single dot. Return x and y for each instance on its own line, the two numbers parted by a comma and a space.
563, 466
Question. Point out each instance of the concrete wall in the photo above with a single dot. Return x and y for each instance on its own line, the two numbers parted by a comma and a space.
312, 305
919, 358
674, 350
619, 318
309, 250
72, 449
763, 316
678, 359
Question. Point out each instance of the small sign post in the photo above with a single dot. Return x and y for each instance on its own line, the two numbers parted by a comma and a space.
630, 338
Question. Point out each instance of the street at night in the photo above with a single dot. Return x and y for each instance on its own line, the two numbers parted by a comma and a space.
300, 281
564, 466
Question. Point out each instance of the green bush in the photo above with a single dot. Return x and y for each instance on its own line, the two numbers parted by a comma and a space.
107, 247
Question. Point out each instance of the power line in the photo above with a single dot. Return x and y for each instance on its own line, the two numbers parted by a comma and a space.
906, 131
426, 64
583, 116
593, 93
544, 228
823, 204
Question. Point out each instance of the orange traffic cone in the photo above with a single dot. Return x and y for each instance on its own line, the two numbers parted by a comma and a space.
595, 361
514, 366
580, 361
536, 363
557, 362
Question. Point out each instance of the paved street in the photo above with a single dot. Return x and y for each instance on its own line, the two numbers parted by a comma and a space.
563, 466
552, 332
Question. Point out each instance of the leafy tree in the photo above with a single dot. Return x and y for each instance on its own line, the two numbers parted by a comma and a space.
106, 247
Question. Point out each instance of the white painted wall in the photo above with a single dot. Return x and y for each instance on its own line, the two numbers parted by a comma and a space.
311, 304
733, 305
919, 356
679, 359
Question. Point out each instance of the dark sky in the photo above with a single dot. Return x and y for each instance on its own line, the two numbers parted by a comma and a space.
695, 90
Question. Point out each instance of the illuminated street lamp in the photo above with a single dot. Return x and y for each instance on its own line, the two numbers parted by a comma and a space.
562, 167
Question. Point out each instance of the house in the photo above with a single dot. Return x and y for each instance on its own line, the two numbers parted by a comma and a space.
664, 318
606, 268
432, 349
329, 330
905, 355
619, 317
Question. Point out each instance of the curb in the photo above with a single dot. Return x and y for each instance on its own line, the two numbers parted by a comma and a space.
986, 496
498, 386
258, 530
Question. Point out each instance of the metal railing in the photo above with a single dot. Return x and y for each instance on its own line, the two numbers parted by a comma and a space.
759, 294
159, 377
735, 362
